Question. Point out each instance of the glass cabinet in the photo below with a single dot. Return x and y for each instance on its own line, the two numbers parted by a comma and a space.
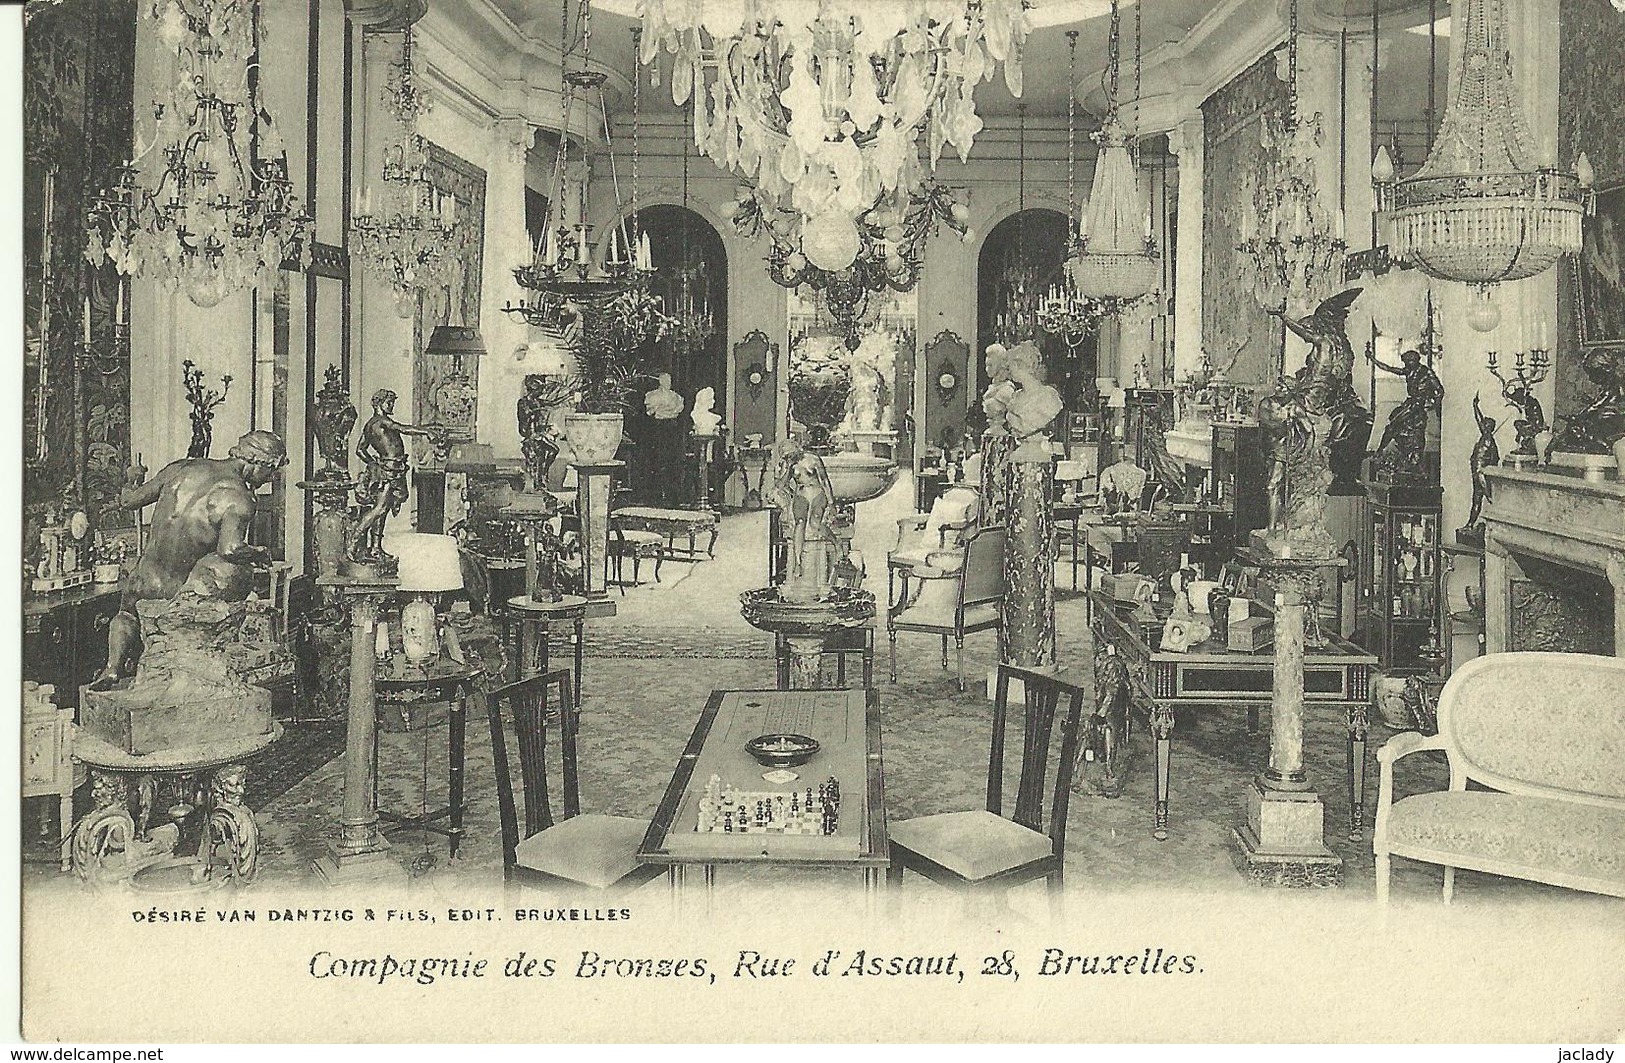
1400, 576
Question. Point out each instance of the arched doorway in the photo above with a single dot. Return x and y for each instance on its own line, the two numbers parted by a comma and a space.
1021, 257
691, 280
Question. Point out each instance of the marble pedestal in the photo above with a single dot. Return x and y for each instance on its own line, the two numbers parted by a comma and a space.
1281, 841
594, 485
1029, 567
361, 852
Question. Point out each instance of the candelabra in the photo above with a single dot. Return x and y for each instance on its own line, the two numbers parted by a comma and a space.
1519, 393
693, 324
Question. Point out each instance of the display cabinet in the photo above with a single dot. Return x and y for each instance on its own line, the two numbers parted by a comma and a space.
1240, 479
1401, 577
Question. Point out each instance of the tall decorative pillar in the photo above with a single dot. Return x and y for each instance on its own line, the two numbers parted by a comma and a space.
594, 485
1029, 564
1185, 141
506, 241
361, 852
1282, 839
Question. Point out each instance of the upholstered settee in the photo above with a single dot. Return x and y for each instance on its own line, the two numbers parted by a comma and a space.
1546, 733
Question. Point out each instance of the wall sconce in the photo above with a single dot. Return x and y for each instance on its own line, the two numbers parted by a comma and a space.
756, 375
947, 381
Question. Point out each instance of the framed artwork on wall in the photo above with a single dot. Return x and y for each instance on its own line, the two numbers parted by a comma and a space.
1600, 273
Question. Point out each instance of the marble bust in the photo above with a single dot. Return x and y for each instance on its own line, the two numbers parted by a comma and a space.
1033, 407
704, 415
662, 403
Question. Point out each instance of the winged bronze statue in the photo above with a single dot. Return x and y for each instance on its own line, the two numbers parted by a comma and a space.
1326, 383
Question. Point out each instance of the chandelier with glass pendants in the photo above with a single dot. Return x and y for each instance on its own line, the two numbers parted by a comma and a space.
821, 106
406, 238
1292, 247
1480, 211
1063, 311
221, 215
1115, 257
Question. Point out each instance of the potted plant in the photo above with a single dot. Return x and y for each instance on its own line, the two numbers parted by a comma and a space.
611, 341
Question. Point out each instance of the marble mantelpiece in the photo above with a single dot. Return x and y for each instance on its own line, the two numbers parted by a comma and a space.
1554, 516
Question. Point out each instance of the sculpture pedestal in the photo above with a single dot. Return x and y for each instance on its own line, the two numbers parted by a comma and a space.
594, 484
1282, 842
361, 853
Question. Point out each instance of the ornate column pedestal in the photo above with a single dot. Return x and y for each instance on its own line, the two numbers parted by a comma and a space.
1282, 840
594, 484
361, 852
1029, 567
806, 659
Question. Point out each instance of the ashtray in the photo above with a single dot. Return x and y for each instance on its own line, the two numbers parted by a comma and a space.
781, 750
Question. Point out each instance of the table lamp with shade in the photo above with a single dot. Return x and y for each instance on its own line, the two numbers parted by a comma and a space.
430, 568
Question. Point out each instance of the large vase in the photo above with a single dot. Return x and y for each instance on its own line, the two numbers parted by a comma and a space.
594, 437
818, 401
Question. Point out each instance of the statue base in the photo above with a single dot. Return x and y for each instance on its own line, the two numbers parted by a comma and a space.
376, 867
1472, 535
1594, 467
1282, 842
384, 568
1288, 546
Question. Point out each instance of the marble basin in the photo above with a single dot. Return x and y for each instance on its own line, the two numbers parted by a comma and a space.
860, 477
766, 609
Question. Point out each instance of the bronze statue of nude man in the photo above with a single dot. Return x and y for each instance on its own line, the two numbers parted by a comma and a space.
383, 488
204, 508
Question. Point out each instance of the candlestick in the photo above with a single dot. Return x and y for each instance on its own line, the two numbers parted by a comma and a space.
118, 316
87, 320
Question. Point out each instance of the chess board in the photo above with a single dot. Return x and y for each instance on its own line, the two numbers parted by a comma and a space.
728, 788
808, 813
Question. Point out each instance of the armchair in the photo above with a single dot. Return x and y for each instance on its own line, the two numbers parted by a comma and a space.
955, 601
933, 539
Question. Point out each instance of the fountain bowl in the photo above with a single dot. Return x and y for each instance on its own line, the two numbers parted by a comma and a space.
859, 477
766, 609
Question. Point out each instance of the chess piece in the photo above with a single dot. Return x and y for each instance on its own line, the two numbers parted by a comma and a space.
203, 511
383, 487
1399, 455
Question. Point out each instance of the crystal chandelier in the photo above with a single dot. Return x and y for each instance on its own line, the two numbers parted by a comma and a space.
1477, 211
888, 254
405, 240
562, 275
820, 106
1293, 248
1064, 312
222, 215
1115, 258
693, 325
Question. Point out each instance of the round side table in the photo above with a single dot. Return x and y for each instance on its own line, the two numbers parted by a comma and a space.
111, 845
527, 628
402, 688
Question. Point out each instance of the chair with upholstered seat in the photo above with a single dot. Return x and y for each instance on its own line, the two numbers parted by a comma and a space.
625, 543
987, 850
954, 599
595, 851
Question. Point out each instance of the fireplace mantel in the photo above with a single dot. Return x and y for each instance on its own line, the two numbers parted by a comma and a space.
1552, 516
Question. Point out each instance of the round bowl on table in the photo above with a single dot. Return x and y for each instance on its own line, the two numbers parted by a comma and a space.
781, 750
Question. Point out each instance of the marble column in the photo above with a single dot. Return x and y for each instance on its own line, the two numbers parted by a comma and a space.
1029, 566
594, 484
361, 852
1282, 840
1185, 140
507, 244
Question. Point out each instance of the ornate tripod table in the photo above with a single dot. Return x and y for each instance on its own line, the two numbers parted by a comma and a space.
1210, 675
212, 775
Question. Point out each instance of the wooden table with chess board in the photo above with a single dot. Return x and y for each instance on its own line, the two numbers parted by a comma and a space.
846, 724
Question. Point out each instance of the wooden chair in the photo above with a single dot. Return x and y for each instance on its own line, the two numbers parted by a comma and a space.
637, 545
955, 602
577, 850
985, 851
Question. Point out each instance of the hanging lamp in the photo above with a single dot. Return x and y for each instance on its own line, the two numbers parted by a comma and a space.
1064, 312
1479, 211
1115, 257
